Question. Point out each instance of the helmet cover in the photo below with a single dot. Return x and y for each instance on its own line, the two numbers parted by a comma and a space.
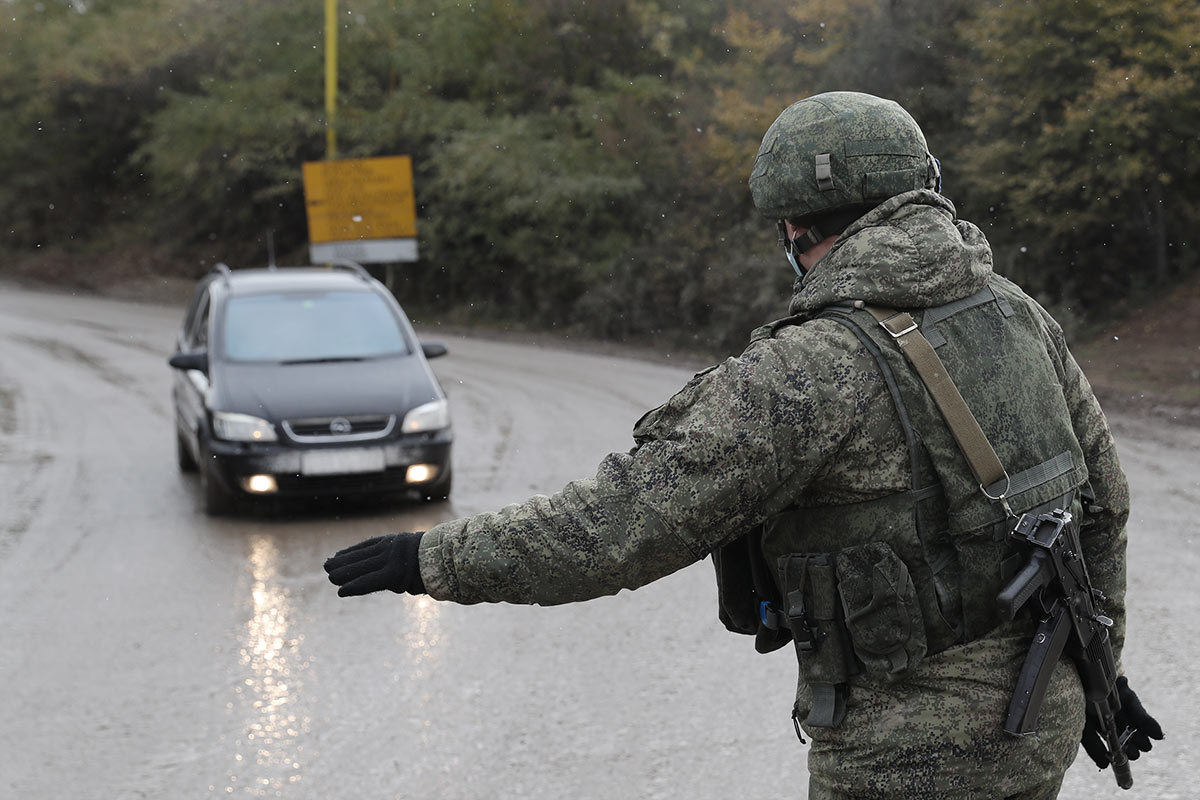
839, 150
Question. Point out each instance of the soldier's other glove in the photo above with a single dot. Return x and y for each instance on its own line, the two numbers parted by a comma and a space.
383, 562
1131, 715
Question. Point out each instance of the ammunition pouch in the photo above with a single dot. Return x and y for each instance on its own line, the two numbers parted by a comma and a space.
881, 610
814, 616
849, 612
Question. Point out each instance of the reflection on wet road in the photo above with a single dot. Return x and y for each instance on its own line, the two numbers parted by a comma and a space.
423, 637
269, 754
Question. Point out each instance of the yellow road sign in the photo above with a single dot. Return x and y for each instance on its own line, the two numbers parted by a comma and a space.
361, 198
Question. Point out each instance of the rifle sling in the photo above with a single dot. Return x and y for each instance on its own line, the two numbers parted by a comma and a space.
965, 428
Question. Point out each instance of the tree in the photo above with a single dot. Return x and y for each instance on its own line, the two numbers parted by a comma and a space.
78, 82
1085, 152
224, 150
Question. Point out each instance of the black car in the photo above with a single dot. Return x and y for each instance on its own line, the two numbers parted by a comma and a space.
306, 382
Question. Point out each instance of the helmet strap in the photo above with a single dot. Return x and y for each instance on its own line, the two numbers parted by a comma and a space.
810, 239
794, 247
805, 241
817, 232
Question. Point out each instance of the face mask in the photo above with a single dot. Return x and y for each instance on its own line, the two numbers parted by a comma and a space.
790, 255
794, 247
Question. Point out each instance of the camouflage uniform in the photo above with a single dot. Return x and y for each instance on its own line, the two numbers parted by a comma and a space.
803, 416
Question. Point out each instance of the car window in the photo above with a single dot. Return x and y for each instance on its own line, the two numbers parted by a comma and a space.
189, 318
197, 334
294, 326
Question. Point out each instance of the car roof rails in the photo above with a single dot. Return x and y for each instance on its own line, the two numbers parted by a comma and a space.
221, 269
349, 266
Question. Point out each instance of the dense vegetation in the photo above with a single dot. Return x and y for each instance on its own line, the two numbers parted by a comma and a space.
582, 165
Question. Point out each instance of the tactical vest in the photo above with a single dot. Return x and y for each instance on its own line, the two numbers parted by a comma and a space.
875, 587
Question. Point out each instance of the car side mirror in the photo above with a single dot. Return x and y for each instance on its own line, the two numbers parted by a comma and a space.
433, 349
197, 360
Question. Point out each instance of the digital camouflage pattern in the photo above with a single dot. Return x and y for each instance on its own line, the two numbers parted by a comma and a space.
803, 415
872, 150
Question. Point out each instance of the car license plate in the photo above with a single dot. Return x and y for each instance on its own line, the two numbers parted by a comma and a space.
341, 462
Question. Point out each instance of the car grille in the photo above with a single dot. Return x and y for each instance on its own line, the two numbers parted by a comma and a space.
319, 430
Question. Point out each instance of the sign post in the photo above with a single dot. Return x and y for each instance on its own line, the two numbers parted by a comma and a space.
331, 60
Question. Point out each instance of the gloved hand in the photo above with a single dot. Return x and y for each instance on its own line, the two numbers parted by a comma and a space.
384, 562
1131, 715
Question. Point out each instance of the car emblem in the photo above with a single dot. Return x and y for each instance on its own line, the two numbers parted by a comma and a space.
340, 425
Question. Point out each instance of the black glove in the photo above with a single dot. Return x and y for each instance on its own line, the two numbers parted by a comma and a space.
1131, 715
384, 562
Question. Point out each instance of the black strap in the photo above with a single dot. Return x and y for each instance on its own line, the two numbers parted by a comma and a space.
828, 704
839, 315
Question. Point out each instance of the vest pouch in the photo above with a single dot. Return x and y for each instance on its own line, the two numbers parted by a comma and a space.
737, 603
744, 585
809, 588
881, 610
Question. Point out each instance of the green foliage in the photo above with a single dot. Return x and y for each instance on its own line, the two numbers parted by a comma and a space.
74, 87
223, 153
1088, 162
583, 165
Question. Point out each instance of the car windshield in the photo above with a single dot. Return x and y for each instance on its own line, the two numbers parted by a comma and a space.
311, 326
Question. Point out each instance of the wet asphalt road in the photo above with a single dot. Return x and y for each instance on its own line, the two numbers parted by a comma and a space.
149, 651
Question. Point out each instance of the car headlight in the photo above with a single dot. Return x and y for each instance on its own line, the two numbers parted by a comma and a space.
242, 428
431, 416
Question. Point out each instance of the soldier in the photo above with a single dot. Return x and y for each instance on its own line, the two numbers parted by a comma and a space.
840, 510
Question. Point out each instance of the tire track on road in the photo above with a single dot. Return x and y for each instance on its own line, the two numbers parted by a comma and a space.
23, 465
67, 352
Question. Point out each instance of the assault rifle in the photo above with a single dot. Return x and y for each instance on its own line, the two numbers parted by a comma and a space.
1056, 578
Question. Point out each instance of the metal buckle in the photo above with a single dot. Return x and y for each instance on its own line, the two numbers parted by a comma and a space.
896, 335
797, 621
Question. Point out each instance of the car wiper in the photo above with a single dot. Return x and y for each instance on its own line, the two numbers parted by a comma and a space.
326, 360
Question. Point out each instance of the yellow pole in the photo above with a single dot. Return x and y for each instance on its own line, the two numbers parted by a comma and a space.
330, 78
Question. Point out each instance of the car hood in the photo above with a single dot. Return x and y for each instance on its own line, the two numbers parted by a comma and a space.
275, 392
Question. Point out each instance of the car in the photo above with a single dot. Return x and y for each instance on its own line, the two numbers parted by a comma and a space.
306, 382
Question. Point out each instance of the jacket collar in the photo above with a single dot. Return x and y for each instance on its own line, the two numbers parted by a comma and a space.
909, 252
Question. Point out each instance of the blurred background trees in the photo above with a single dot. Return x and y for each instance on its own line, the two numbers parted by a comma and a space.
582, 165
1088, 162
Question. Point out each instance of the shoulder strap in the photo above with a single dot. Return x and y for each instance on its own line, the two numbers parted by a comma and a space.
984, 462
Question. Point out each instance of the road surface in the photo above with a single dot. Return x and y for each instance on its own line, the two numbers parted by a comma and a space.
149, 651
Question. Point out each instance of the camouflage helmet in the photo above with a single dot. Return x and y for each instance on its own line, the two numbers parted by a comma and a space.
839, 151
